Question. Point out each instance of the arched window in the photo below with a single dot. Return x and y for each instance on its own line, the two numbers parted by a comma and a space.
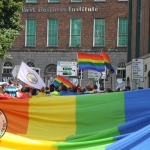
121, 65
51, 69
31, 64
7, 67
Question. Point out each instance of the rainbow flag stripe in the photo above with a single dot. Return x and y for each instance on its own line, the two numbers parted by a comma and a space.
107, 62
90, 62
60, 79
108, 121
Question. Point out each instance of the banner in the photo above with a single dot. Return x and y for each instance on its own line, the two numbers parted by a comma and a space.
108, 121
30, 77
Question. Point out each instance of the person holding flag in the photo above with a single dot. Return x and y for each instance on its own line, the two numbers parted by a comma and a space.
30, 77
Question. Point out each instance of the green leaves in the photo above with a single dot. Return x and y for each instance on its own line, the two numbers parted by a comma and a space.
9, 24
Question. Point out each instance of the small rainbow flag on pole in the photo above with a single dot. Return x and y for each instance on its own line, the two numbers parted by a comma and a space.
90, 62
60, 79
107, 62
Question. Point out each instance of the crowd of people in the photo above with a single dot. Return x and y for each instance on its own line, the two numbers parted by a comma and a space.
15, 89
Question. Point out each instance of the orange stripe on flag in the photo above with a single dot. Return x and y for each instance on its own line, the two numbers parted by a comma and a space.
16, 112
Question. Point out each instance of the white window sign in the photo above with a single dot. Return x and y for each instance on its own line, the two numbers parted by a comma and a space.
137, 70
94, 75
65, 68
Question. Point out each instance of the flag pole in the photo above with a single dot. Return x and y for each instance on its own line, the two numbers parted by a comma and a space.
79, 80
105, 77
101, 73
101, 50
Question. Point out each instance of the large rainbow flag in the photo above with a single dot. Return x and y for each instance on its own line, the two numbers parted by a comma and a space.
90, 62
60, 79
107, 61
109, 121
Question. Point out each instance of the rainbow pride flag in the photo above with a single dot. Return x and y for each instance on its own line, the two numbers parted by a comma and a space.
107, 62
90, 62
108, 121
60, 79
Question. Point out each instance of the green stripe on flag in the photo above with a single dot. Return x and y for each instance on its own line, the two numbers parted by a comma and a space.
104, 111
97, 119
87, 145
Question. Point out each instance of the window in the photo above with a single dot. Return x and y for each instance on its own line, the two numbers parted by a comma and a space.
52, 32
99, 32
122, 32
31, 1
30, 32
51, 69
75, 36
7, 67
76, 0
100, 0
31, 64
53, 1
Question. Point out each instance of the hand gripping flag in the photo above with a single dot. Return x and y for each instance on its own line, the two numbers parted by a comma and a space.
30, 77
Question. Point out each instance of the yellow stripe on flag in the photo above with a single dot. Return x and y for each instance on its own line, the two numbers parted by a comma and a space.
15, 142
49, 116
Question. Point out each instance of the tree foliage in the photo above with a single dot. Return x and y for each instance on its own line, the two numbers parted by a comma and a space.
9, 24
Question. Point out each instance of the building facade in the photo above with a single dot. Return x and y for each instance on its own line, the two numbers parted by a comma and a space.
55, 30
139, 41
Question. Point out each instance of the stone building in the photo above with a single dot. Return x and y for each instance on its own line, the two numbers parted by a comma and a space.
139, 44
55, 30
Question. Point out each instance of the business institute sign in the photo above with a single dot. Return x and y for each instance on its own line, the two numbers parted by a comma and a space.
69, 9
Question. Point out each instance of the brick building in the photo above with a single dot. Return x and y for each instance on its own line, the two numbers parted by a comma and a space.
139, 42
55, 30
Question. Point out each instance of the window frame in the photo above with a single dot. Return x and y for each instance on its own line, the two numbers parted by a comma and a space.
30, 64
49, 1
70, 44
31, 2
10, 67
120, 34
48, 25
27, 34
76, 1
94, 32
122, 0
99, 0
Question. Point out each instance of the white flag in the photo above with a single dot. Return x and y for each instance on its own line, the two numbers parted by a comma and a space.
30, 77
